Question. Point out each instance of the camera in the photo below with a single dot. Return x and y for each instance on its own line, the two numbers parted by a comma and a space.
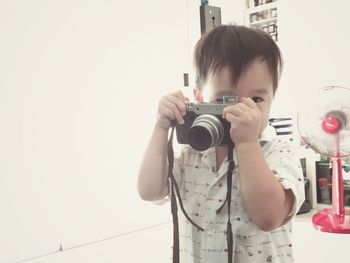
204, 126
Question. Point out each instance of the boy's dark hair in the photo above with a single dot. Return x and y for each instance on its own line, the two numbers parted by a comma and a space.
236, 47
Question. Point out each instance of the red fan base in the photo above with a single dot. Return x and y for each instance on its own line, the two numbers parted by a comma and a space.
337, 218
327, 221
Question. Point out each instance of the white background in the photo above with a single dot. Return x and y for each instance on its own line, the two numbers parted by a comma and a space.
79, 86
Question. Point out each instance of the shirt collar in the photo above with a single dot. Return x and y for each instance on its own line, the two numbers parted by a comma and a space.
267, 135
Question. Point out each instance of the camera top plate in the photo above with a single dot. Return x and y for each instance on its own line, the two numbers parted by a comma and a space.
215, 108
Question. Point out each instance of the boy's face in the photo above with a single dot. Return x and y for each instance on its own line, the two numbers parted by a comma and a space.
255, 82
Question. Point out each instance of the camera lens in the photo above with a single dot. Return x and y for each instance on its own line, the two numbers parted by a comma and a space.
206, 131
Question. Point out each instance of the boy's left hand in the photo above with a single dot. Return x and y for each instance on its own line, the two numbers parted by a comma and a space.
245, 121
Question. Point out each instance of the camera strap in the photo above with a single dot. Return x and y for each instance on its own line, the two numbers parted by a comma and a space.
230, 168
174, 191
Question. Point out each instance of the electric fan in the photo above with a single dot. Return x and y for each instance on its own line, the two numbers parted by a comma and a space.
324, 125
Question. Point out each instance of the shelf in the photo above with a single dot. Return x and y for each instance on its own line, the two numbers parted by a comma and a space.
263, 14
260, 8
264, 21
264, 17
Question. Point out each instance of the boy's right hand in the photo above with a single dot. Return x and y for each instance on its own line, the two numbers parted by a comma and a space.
171, 107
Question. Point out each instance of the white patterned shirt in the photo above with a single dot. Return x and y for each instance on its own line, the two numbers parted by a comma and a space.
203, 191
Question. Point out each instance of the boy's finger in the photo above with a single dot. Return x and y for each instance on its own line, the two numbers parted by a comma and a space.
250, 103
179, 95
166, 112
231, 118
179, 103
175, 110
239, 108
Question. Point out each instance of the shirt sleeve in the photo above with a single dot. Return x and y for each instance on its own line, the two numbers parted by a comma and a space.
283, 160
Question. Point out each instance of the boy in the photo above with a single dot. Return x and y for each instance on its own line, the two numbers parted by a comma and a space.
267, 187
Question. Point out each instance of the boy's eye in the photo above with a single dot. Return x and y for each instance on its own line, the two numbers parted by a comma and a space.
257, 99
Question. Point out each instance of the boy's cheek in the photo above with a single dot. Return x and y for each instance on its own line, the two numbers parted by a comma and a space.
263, 123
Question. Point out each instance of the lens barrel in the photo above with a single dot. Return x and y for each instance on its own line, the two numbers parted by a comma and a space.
206, 131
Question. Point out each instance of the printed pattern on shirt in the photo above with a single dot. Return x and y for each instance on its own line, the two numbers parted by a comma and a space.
203, 191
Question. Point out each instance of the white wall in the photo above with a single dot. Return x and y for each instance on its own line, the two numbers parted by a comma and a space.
313, 36
79, 86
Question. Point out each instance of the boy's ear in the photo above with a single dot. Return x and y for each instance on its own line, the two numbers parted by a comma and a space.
197, 94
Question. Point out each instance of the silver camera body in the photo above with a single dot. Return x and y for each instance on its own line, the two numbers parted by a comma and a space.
204, 126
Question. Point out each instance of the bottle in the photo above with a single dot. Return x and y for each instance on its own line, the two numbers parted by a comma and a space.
325, 195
